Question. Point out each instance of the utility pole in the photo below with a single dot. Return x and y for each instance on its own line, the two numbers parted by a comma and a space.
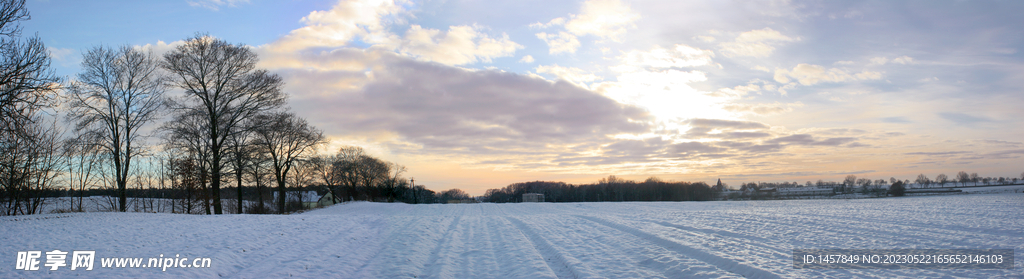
415, 198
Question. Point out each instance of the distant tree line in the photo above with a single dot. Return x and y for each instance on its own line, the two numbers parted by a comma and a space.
607, 189
852, 184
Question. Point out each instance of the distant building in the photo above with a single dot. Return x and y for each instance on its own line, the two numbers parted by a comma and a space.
327, 199
309, 199
533, 197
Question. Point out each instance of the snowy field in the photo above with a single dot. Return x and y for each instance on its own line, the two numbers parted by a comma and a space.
578, 240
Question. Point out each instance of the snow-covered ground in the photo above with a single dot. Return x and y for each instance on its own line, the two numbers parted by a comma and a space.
993, 189
527, 240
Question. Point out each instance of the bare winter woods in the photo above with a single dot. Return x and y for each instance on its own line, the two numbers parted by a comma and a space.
199, 129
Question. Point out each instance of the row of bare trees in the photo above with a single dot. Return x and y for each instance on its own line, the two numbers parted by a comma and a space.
852, 182
351, 174
963, 178
29, 142
228, 124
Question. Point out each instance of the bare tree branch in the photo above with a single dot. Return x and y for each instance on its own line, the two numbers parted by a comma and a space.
117, 93
221, 82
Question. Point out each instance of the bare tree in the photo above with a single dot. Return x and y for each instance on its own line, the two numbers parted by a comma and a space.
974, 178
324, 168
347, 167
963, 177
393, 181
83, 160
923, 180
30, 163
186, 133
257, 174
117, 93
221, 81
850, 181
27, 83
284, 137
371, 171
941, 179
240, 153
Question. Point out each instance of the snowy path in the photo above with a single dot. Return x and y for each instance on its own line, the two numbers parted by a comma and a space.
752, 239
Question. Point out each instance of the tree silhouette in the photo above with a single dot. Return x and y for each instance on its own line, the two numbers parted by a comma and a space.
117, 93
222, 84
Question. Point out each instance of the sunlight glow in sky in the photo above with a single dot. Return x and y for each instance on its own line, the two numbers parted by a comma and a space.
480, 94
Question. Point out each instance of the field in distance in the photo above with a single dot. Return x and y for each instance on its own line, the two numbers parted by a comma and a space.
528, 240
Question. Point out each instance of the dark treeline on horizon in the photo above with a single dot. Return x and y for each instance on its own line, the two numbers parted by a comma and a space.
607, 189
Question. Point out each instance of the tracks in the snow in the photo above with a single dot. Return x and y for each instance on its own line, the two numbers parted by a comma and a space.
721, 262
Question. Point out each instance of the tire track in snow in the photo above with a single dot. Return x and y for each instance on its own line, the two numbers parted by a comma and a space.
438, 262
518, 256
336, 252
564, 266
737, 239
478, 257
361, 271
722, 263
923, 226
791, 227
860, 230
289, 252
603, 250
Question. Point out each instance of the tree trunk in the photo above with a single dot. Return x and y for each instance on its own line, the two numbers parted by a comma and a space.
238, 177
217, 209
281, 193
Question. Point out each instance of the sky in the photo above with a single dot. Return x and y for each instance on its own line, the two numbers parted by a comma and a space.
481, 94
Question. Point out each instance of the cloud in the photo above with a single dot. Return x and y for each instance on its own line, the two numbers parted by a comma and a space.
553, 22
963, 118
347, 21
570, 74
726, 124
526, 59
1006, 154
607, 19
215, 4
941, 154
691, 149
763, 109
896, 119
368, 22
706, 39
807, 74
666, 93
65, 56
736, 92
903, 60
678, 57
559, 43
445, 109
654, 79
755, 43
160, 47
460, 45
808, 140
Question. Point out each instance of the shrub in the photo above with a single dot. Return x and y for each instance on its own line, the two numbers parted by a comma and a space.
897, 189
